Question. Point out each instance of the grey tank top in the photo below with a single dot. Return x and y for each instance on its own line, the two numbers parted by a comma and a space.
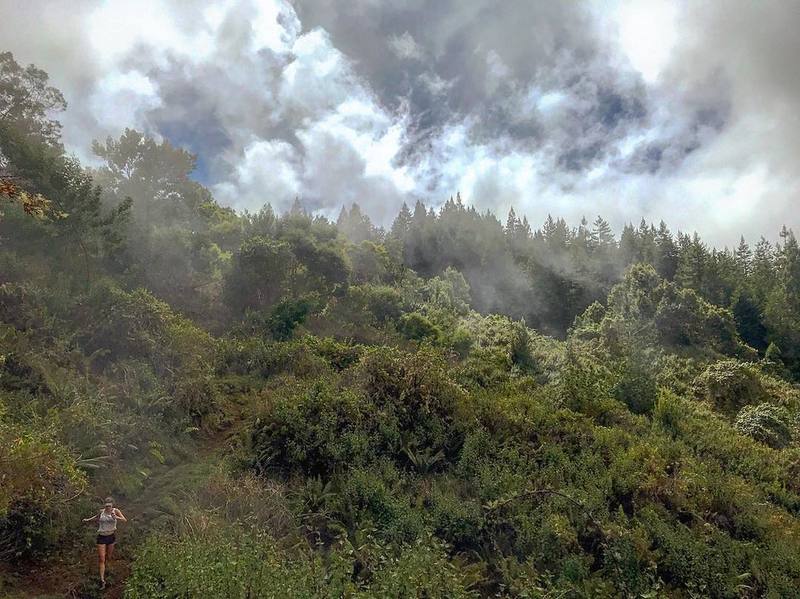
107, 523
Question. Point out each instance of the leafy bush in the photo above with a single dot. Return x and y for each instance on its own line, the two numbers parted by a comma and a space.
262, 359
407, 402
417, 327
235, 564
415, 391
382, 302
286, 317
338, 355
668, 413
197, 396
316, 433
729, 385
38, 475
637, 387
373, 498
230, 565
137, 325
767, 423
449, 292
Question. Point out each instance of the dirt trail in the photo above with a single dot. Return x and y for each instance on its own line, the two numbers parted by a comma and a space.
73, 572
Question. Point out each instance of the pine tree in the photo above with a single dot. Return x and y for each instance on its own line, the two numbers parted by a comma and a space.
401, 224
782, 310
342, 218
762, 271
602, 235
297, 208
356, 225
525, 229
743, 257
629, 246
692, 266
581, 248
789, 265
666, 252
512, 224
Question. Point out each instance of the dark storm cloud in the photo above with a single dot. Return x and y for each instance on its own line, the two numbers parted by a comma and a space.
492, 61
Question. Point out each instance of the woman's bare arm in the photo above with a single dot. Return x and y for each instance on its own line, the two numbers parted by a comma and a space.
120, 515
90, 519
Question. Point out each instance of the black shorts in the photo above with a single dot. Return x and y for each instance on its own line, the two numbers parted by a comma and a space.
106, 539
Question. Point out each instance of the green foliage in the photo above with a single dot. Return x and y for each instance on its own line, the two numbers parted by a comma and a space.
226, 567
381, 302
259, 269
371, 263
261, 358
234, 565
338, 355
27, 101
285, 317
138, 325
415, 394
637, 386
38, 475
407, 410
449, 292
729, 385
316, 433
767, 423
657, 313
416, 327
668, 414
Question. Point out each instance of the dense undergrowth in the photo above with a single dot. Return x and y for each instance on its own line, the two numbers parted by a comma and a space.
374, 419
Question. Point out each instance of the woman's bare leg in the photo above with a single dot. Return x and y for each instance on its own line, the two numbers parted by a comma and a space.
101, 554
109, 552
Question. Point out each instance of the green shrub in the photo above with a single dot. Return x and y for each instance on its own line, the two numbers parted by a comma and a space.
406, 401
373, 497
456, 519
767, 423
415, 391
236, 565
417, 327
486, 367
315, 433
338, 355
259, 358
728, 385
279, 322
197, 397
38, 476
121, 325
421, 570
668, 413
637, 387
230, 565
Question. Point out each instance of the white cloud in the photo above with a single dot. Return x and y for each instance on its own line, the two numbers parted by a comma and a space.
406, 47
647, 32
280, 110
318, 78
265, 174
123, 98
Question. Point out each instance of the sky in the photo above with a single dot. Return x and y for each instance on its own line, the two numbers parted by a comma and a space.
683, 111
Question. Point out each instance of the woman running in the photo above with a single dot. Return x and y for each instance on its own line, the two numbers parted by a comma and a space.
107, 526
